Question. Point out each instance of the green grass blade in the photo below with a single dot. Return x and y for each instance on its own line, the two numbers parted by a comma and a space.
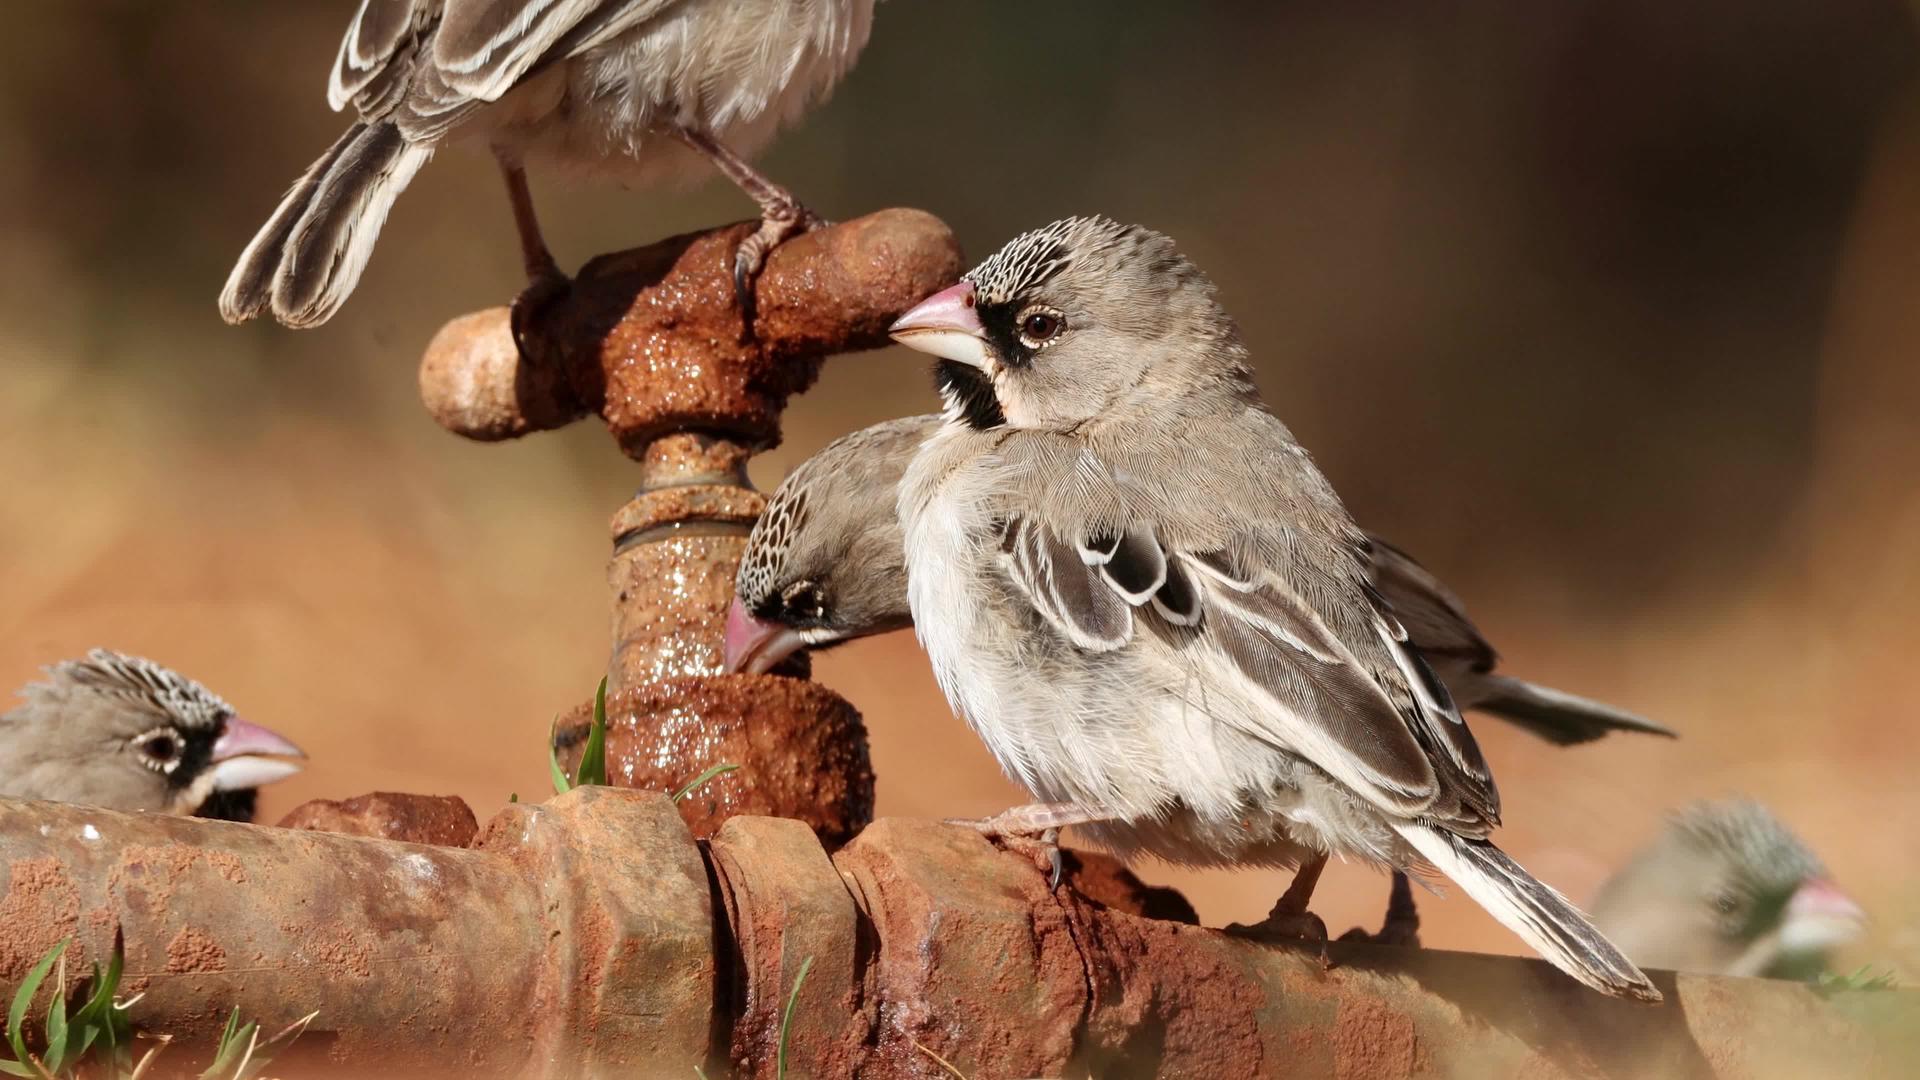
98, 1003
232, 1042
593, 757
786, 1019
23, 997
1862, 978
560, 785
247, 1066
115, 1028
57, 1022
713, 771
88, 1035
14, 1068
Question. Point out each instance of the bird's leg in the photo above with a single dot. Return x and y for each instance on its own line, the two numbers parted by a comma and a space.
545, 282
1402, 926
1290, 920
781, 215
1034, 830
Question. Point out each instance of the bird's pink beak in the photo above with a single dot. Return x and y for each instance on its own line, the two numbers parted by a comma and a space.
1820, 916
946, 325
247, 755
754, 646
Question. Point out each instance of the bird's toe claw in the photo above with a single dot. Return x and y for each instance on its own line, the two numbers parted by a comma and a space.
1302, 926
777, 225
1291, 928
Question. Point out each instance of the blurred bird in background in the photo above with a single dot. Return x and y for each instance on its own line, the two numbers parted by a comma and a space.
1728, 889
1139, 591
124, 733
642, 91
825, 565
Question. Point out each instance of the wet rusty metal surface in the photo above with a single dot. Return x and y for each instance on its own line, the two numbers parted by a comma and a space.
653, 341
786, 907
579, 938
802, 750
670, 607
975, 958
406, 950
630, 972
387, 815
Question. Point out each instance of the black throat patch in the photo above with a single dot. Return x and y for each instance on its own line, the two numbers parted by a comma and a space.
230, 805
996, 321
969, 393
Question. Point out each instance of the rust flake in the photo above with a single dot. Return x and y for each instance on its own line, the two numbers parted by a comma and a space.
194, 950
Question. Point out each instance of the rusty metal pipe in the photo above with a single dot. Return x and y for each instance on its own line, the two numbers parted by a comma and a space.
579, 939
576, 937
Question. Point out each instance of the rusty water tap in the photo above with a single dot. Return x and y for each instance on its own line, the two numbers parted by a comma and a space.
652, 340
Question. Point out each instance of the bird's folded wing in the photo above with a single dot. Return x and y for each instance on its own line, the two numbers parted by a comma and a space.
1368, 712
377, 52
1435, 619
1068, 593
485, 47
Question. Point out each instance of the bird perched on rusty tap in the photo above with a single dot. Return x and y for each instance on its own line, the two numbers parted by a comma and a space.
641, 91
1136, 587
825, 564
1728, 889
125, 733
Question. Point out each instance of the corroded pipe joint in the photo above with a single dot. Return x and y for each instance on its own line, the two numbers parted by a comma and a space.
653, 340
801, 750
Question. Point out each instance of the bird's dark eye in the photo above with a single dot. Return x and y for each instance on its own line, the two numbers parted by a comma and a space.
158, 749
803, 599
1039, 326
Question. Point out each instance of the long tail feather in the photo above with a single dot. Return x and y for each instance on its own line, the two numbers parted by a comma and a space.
1542, 917
1555, 715
307, 258
249, 287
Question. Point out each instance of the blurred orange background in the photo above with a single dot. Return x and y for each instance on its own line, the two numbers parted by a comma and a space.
1607, 311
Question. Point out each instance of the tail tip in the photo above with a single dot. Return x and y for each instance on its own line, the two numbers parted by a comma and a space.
1640, 989
233, 315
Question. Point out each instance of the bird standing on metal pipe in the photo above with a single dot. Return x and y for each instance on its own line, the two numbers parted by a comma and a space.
825, 564
1139, 591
